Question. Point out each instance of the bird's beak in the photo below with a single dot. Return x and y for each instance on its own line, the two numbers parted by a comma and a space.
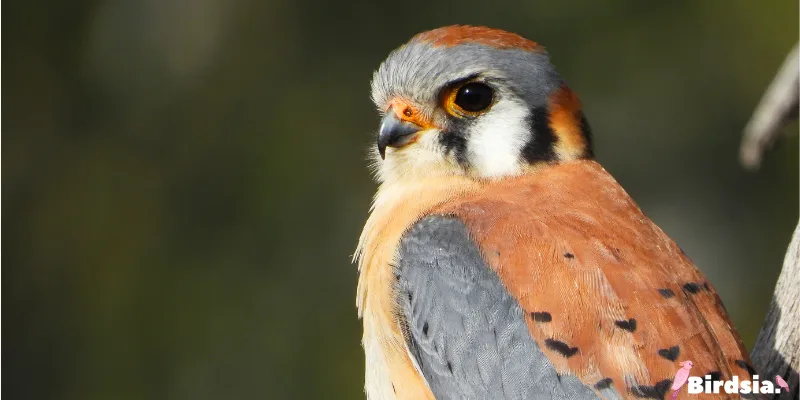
395, 132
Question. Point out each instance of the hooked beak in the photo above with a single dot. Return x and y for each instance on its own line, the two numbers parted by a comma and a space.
395, 132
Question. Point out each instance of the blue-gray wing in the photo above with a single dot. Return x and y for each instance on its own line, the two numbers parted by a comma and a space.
466, 333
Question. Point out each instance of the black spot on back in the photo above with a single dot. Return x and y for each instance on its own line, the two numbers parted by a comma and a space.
713, 376
670, 353
667, 293
604, 383
560, 347
543, 316
450, 367
569, 255
425, 328
629, 325
744, 365
691, 287
540, 145
656, 391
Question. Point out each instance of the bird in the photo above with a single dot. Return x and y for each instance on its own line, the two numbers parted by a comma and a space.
782, 383
499, 259
680, 378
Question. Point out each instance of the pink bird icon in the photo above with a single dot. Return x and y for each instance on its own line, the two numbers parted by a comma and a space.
680, 378
782, 383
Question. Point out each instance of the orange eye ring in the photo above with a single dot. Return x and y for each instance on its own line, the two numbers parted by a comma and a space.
468, 99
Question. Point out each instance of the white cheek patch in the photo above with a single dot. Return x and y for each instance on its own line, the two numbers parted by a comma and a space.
424, 158
496, 140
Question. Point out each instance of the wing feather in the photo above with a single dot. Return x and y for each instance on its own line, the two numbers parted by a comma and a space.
572, 243
466, 333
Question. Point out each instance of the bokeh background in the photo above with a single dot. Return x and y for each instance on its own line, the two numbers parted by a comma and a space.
183, 181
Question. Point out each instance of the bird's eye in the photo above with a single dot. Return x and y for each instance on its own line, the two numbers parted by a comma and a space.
470, 99
473, 97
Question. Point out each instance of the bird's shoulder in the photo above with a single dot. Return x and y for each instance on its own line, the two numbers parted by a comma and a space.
605, 293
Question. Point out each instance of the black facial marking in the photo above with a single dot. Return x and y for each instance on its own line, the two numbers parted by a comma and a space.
744, 365
604, 383
670, 353
656, 391
667, 293
540, 145
393, 389
587, 133
560, 347
691, 287
543, 316
706, 286
425, 329
409, 297
569, 255
629, 325
455, 143
450, 367
714, 376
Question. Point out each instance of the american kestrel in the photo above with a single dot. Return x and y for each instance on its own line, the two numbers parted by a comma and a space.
500, 260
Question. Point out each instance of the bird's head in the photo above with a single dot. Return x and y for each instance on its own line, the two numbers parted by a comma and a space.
686, 364
475, 102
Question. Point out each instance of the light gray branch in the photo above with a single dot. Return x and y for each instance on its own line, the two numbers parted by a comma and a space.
777, 349
777, 107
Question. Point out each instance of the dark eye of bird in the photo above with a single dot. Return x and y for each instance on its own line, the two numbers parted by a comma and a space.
474, 97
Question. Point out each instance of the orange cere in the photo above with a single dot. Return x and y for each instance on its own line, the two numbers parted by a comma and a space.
406, 111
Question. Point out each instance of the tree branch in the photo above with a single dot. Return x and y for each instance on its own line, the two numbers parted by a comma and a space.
777, 349
777, 107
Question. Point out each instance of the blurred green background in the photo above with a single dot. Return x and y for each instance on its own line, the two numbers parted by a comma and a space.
184, 180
